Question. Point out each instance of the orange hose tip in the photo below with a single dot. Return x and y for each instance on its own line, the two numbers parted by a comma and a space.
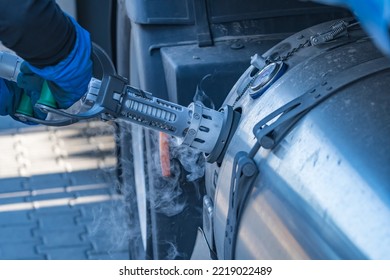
165, 160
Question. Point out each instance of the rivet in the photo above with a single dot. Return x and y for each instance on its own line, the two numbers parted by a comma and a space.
236, 46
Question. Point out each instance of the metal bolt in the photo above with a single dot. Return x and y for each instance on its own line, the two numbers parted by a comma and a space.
236, 46
249, 169
267, 142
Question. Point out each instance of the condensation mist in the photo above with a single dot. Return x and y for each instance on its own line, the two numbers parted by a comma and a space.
111, 226
125, 220
147, 194
186, 165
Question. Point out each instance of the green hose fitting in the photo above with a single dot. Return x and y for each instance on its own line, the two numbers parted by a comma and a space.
46, 97
25, 108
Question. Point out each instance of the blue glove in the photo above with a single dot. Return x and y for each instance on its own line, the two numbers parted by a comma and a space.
374, 16
8, 99
10, 96
68, 80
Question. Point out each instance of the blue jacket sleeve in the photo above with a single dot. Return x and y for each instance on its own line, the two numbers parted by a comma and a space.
37, 30
69, 78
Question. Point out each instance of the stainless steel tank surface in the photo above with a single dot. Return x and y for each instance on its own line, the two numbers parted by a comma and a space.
323, 190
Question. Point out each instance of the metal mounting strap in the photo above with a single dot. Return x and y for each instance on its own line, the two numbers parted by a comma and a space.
243, 174
271, 129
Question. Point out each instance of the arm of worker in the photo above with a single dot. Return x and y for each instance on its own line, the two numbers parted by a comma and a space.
54, 46
374, 16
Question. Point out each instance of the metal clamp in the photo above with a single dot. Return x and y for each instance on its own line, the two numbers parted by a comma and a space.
271, 129
243, 173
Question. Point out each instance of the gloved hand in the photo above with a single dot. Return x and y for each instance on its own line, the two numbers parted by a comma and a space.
8, 99
68, 80
10, 96
374, 16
